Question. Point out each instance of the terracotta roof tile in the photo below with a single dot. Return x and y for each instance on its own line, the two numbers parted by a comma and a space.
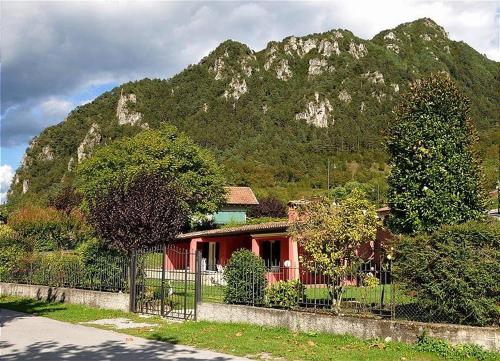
240, 195
250, 228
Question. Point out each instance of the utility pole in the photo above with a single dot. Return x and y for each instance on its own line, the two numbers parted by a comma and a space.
328, 175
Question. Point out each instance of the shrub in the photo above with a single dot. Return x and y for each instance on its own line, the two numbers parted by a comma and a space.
12, 259
57, 269
284, 294
13, 252
48, 229
7, 235
245, 276
454, 272
104, 267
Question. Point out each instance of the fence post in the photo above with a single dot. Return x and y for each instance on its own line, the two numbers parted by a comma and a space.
197, 281
162, 301
132, 281
187, 255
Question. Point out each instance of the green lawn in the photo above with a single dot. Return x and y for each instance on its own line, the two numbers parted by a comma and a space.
242, 339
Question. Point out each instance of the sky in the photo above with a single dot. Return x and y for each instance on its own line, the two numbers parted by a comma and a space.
58, 55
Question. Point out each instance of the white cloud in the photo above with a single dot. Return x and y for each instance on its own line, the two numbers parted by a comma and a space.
6, 174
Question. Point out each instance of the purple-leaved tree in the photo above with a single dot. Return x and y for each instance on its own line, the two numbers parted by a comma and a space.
147, 211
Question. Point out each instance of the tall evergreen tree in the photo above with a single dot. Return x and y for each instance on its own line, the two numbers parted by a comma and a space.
435, 177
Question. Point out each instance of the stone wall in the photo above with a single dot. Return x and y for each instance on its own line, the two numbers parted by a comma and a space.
364, 328
108, 300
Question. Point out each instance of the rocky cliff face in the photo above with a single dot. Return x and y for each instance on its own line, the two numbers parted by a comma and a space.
284, 109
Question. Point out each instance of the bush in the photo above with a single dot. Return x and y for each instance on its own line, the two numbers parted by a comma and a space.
454, 272
48, 229
12, 253
104, 267
284, 294
7, 235
245, 276
57, 269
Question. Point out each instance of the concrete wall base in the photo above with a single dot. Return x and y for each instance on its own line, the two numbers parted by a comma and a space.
109, 300
364, 328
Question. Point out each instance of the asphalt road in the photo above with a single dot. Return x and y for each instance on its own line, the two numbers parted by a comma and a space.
27, 337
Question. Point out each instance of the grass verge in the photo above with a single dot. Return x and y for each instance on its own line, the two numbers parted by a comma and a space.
254, 341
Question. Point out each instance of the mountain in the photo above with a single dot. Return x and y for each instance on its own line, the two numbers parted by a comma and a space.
276, 117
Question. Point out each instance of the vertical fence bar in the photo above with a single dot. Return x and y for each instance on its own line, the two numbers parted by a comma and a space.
162, 299
197, 283
186, 260
132, 282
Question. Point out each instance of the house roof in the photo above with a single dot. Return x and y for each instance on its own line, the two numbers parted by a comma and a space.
250, 228
240, 196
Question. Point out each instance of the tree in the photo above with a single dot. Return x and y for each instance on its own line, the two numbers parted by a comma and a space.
435, 177
65, 200
147, 211
165, 151
269, 207
330, 235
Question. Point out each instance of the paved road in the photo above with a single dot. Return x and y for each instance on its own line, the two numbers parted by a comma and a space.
26, 337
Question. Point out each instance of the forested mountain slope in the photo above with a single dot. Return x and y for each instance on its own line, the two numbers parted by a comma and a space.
275, 117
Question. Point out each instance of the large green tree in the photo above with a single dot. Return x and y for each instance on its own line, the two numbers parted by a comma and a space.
435, 177
166, 152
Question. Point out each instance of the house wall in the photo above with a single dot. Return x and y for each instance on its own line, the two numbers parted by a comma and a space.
231, 214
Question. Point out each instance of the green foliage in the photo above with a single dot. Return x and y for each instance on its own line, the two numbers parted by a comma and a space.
96, 256
47, 229
164, 151
449, 352
435, 177
12, 251
374, 190
4, 213
7, 235
284, 294
330, 235
56, 269
245, 276
454, 272
257, 137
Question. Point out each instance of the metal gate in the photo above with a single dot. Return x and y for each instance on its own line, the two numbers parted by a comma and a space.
165, 281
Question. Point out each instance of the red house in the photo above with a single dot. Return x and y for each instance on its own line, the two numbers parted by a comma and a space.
270, 241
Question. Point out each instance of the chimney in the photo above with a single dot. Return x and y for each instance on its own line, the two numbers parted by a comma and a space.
292, 209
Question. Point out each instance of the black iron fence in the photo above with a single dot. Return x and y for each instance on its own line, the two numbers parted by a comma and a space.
369, 290
107, 273
169, 281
